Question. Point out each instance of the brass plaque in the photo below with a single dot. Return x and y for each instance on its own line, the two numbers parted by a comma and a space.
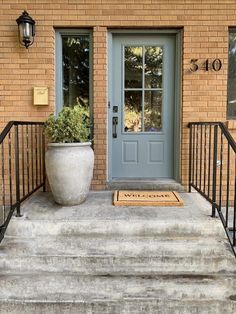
41, 96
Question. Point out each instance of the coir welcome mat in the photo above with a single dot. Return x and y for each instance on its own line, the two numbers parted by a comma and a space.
147, 198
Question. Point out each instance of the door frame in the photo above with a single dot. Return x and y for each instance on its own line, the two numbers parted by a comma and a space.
177, 94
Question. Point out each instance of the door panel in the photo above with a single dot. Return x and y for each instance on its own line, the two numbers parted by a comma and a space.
142, 104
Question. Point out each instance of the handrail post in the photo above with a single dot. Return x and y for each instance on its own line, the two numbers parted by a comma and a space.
190, 160
17, 172
214, 171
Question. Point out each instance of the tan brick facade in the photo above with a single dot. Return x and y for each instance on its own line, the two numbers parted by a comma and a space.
205, 36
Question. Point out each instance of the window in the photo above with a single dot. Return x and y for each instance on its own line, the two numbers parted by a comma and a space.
73, 69
232, 75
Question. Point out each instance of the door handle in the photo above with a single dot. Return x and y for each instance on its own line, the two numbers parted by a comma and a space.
114, 124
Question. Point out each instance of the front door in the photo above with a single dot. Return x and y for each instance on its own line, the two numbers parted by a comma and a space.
142, 106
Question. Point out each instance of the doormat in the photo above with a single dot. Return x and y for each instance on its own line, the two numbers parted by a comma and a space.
147, 198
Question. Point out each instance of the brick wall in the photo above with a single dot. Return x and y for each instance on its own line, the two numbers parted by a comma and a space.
205, 35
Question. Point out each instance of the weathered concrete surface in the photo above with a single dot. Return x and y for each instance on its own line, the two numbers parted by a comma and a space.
98, 216
116, 255
97, 258
146, 184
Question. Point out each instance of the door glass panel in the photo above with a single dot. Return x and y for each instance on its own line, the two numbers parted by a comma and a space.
133, 67
143, 99
133, 111
152, 111
75, 52
153, 67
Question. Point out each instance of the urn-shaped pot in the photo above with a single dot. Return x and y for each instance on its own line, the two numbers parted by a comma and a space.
69, 168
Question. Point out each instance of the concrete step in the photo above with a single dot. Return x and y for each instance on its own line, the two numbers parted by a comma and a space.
116, 255
97, 216
24, 227
146, 184
43, 293
100, 259
126, 306
117, 246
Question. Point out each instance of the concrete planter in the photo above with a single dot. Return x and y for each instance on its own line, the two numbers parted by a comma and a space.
69, 168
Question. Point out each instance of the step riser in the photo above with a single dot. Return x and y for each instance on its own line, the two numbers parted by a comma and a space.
146, 185
118, 266
112, 288
136, 306
119, 246
152, 228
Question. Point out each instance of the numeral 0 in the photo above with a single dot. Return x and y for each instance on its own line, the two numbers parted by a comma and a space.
216, 65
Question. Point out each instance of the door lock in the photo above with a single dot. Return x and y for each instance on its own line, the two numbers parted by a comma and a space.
115, 109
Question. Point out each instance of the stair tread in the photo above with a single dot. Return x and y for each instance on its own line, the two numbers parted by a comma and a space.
99, 206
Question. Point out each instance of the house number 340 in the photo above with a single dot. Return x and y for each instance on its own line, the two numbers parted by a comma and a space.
207, 65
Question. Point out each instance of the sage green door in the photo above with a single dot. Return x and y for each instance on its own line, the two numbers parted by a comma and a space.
142, 106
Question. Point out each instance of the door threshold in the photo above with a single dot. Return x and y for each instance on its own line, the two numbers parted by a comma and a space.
145, 184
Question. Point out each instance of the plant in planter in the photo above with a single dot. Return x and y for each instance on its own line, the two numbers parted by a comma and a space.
69, 158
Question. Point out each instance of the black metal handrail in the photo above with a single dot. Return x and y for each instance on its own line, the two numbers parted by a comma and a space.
212, 171
22, 166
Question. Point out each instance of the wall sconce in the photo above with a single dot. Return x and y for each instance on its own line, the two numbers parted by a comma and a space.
26, 29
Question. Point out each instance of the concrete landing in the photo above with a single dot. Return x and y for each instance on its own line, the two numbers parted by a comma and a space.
98, 258
99, 206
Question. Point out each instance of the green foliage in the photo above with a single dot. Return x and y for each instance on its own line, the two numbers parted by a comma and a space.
71, 125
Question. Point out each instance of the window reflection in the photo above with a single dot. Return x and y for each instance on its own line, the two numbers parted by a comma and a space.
152, 111
232, 75
153, 67
133, 67
75, 70
133, 111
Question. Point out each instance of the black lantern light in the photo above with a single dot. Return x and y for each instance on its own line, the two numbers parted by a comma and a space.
26, 29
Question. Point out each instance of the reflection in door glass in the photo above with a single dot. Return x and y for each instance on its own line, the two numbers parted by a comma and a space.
133, 67
133, 111
143, 88
153, 67
152, 111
